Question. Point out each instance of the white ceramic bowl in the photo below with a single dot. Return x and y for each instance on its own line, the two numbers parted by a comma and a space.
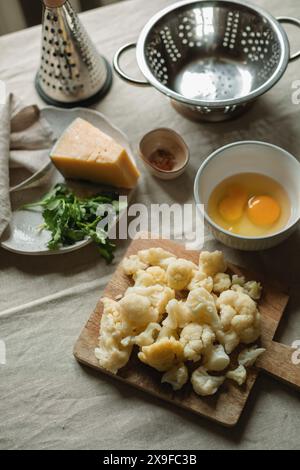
255, 157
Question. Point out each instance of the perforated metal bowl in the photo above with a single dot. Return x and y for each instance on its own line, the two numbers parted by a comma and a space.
212, 58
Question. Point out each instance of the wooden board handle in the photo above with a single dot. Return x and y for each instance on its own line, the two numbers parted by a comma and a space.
279, 360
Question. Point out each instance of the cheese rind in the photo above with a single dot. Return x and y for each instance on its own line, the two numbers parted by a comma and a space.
84, 152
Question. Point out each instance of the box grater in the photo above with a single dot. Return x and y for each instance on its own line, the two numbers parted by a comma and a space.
71, 72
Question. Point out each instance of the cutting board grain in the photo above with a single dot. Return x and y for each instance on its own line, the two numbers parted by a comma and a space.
226, 406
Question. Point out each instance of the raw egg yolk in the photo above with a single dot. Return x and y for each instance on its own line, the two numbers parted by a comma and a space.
263, 210
232, 205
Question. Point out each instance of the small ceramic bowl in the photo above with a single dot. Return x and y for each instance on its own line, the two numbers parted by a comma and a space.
255, 157
166, 140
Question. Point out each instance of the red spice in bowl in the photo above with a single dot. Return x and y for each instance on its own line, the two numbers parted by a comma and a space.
164, 152
162, 159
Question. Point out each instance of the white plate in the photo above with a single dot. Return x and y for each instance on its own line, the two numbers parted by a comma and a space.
23, 235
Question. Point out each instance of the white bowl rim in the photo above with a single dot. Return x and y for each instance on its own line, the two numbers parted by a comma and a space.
217, 153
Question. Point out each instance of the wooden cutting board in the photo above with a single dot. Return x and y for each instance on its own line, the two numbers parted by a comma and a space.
227, 404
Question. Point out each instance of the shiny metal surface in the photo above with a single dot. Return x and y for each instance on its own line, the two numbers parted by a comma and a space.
71, 69
212, 57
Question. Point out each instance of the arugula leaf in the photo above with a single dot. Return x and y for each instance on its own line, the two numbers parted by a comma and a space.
71, 219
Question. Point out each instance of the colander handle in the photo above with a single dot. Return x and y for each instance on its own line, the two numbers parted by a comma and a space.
119, 71
295, 22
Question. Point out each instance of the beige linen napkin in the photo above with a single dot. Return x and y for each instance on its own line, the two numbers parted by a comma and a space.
25, 140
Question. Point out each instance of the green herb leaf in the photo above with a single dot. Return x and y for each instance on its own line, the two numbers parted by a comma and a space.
71, 219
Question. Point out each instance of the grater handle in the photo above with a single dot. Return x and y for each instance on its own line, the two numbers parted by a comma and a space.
54, 3
295, 22
118, 69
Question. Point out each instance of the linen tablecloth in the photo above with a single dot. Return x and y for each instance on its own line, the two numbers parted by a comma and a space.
49, 401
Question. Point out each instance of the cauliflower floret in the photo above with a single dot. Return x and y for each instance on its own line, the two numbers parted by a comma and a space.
216, 358
177, 376
121, 326
179, 274
239, 375
205, 384
137, 310
246, 312
248, 356
163, 354
142, 278
155, 256
226, 314
222, 282
191, 340
165, 263
111, 307
151, 276
145, 338
241, 322
179, 314
237, 288
200, 279
241, 302
132, 264
212, 262
191, 326
229, 339
167, 332
253, 289
251, 334
194, 339
208, 336
203, 307
158, 295
158, 275
111, 354
238, 280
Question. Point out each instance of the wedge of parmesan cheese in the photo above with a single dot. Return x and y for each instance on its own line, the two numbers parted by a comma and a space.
84, 152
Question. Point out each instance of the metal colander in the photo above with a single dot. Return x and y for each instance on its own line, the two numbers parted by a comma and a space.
212, 58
